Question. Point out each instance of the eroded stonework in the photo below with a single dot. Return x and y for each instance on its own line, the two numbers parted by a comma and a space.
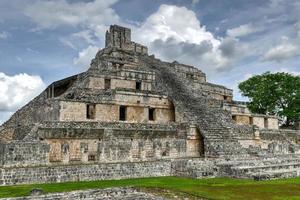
133, 115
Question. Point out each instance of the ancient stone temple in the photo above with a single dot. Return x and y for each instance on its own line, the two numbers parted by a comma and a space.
133, 115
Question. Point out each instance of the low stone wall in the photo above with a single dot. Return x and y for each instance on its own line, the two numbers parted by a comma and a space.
66, 173
103, 194
194, 168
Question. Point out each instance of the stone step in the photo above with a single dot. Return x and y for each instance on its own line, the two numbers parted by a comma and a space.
276, 174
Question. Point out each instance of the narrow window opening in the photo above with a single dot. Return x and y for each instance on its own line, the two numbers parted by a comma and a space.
90, 111
234, 118
266, 123
151, 114
122, 116
91, 158
107, 84
138, 85
251, 120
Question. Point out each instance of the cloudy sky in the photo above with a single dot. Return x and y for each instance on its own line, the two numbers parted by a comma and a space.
45, 40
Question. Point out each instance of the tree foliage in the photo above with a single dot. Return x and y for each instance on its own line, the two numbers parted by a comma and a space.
274, 94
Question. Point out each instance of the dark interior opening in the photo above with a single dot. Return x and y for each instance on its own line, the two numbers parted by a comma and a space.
266, 122
91, 157
60, 87
234, 117
107, 84
90, 111
251, 120
151, 114
122, 113
138, 85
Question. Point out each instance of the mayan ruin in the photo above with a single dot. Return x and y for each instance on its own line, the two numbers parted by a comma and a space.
132, 115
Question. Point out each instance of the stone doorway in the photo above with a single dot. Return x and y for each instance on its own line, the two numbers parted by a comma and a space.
195, 143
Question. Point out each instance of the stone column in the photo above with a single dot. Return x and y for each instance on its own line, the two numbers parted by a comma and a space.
194, 142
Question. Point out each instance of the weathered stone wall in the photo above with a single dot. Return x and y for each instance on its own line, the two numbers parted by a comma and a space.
137, 109
96, 194
66, 173
189, 72
98, 83
120, 37
273, 123
275, 141
242, 115
37, 110
21, 153
241, 119
75, 143
114, 146
195, 168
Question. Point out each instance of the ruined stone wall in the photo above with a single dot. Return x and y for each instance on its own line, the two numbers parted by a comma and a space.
194, 168
122, 78
76, 111
137, 104
99, 83
114, 146
198, 79
242, 115
65, 143
281, 141
274, 141
273, 123
189, 72
120, 37
213, 91
91, 172
38, 110
241, 119
21, 153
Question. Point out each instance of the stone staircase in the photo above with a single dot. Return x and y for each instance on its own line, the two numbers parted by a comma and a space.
216, 126
280, 166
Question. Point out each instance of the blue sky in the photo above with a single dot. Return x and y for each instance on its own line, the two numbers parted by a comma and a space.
45, 40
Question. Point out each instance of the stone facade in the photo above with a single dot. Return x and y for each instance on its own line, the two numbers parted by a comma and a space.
132, 115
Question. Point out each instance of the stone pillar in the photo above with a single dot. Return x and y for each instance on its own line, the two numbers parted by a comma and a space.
194, 142
256, 133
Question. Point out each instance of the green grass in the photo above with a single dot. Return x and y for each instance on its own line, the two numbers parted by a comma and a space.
217, 188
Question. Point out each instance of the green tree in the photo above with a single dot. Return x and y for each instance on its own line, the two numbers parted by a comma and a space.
274, 94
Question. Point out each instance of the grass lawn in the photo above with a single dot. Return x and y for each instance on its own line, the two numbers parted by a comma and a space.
217, 188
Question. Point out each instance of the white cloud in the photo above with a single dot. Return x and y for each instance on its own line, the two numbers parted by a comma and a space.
175, 33
242, 30
86, 35
85, 56
93, 18
17, 90
174, 22
52, 14
282, 52
4, 35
